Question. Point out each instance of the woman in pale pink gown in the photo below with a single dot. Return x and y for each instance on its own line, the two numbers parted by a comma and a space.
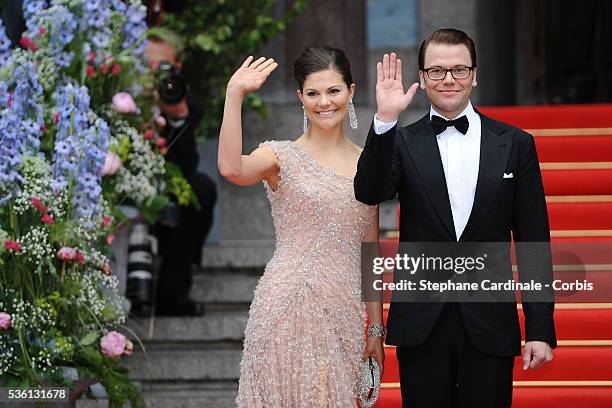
305, 335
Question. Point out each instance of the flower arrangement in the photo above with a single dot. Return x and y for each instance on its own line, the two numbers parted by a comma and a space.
78, 136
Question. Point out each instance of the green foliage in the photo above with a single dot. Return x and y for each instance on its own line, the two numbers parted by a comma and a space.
179, 187
218, 35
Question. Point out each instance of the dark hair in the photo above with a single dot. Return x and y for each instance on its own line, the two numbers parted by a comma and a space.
449, 36
319, 58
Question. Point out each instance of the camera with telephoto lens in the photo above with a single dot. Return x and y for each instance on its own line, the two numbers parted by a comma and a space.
170, 84
140, 269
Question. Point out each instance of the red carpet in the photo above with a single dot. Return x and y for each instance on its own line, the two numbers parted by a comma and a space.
577, 182
580, 216
573, 149
572, 363
574, 144
534, 397
578, 324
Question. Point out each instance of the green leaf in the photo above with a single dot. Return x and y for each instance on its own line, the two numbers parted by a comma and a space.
9, 380
205, 42
89, 338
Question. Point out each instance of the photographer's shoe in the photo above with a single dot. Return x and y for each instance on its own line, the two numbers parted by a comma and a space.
181, 308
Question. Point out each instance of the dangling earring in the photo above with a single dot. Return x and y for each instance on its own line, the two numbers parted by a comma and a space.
352, 115
305, 120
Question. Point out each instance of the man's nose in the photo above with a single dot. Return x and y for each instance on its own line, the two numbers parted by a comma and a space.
448, 78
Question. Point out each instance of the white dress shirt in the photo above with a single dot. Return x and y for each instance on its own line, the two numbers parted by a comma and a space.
460, 155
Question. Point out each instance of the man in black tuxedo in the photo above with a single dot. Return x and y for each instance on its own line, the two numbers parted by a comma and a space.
460, 177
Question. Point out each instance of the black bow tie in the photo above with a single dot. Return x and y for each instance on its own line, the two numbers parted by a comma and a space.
439, 124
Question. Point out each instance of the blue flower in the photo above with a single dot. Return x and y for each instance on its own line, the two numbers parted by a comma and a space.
119, 5
102, 38
31, 8
80, 150
5, 45
64, 59
21, 121
61, 25
135, 27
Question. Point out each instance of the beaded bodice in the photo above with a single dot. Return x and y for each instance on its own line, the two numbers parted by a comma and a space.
313, 207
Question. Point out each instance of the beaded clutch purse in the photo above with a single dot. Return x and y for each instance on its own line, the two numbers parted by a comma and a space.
369, 384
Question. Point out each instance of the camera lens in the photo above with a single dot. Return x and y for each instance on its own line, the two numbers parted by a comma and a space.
170, 84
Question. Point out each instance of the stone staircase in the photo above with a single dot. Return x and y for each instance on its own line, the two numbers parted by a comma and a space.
194, 362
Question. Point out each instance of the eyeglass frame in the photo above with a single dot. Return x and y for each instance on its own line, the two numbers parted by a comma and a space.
447, 70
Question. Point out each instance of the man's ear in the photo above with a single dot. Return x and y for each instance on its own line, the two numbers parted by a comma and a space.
422, 79
474, 83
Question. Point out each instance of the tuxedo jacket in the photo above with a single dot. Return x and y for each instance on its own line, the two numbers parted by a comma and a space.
405, 162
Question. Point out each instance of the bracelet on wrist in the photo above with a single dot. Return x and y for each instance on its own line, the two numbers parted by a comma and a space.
376, 330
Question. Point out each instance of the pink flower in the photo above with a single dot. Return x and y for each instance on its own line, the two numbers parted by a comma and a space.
47, 219
91, 71
66, 254
106, 269
36, 202
5, 321
27, 43
110, 239
12, 245
106, 220
42, 31
123, 103
149, 134
78, 257
129, 348
161, 121
56, 117
112, 162
115, 69
113, 344
163, 150
160, 141
92, 55
104, 69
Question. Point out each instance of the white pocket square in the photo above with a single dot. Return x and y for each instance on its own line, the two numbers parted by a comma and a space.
508, 175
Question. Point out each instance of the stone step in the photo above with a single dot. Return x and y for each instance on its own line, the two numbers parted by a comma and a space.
215, 326
225, 286
185, 362
182, 395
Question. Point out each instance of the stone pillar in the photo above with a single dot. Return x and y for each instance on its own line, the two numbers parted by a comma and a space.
496, 52
340, 24
436, 14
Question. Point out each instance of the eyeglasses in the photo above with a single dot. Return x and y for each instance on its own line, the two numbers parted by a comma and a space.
458, 72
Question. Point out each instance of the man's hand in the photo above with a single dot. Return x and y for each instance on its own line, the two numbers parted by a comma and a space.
537, 354
390, 96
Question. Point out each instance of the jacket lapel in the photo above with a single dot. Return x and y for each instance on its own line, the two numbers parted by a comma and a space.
425, 154
495, 145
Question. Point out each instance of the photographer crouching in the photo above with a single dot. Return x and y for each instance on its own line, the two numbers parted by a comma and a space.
182, 236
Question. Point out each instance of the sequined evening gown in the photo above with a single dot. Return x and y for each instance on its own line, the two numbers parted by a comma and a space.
305, 334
